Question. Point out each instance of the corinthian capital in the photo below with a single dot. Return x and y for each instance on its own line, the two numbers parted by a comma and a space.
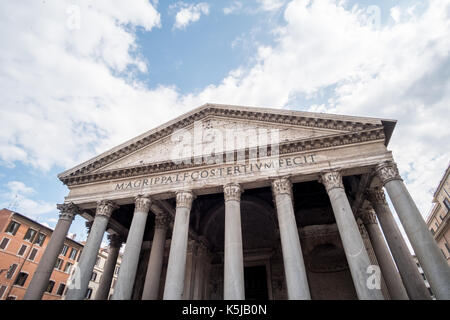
387, 171
68, 211
115, 240
184, 199
232, 191
105, 208
142, 203
162, 221
368, 216
331, 180
282, 186
376, 196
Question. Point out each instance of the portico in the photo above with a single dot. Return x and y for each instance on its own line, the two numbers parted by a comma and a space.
223, 189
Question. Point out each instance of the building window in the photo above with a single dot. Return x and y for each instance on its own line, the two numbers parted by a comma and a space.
88, 293
50, 286
432, 232
113, 283
11, 298
22, 250
447, 204
447, 247
4, 243
73, 254
32, 254
13, 227
29, 236
94, 276
11, 271
79, 256
97, 263
61, 288
68, 267
2, 291
21, 278
58, 264
117, 270
40, 239
64, 250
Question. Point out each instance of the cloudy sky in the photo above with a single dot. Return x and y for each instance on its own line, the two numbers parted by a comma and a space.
79, 77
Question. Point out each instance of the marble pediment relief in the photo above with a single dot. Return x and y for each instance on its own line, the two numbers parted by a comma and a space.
215, 134
220, 128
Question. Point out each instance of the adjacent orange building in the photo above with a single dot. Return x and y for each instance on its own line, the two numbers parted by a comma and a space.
439, 219
22, 243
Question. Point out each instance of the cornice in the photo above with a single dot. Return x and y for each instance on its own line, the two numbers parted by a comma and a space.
284, 149
443, 226
262, 115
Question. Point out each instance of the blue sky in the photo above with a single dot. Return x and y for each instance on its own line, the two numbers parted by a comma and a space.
79, 77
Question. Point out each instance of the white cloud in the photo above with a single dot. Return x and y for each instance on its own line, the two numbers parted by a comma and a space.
234, 7
189, 14
395, 13
59, 83
16, 187
17, 197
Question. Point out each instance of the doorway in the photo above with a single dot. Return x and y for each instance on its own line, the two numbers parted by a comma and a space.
255, 278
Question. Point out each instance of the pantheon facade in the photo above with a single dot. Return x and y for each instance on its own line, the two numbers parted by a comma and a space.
231, 202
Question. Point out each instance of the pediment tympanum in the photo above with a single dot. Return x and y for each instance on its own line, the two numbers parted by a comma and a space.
215, 129
201, 139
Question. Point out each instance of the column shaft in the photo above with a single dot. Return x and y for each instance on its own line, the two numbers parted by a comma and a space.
108, 271
389, 271
411, 278
189, 270
153, 276
430, 258
199, 272
294, 266
78, 287
174, 285
354, 248
41, 277
130, 259
233, 284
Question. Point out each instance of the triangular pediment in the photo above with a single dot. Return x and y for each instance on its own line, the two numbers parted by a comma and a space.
215, 134
203, 128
